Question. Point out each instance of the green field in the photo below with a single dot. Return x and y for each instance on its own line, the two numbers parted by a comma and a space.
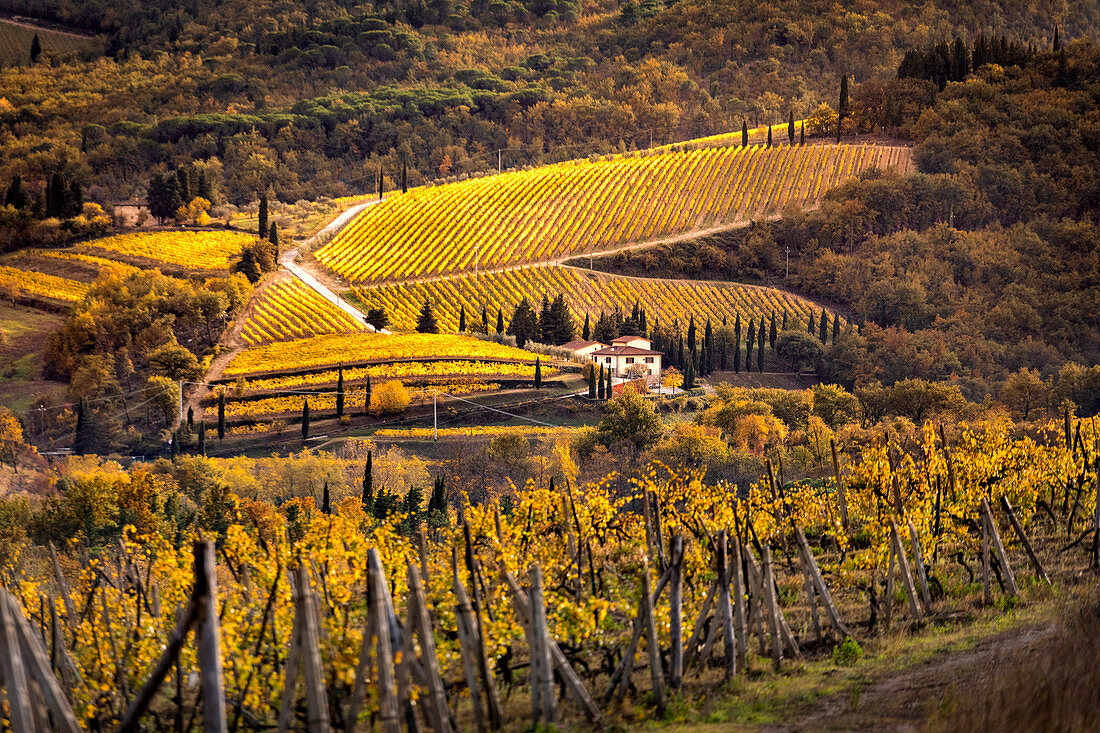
15, 43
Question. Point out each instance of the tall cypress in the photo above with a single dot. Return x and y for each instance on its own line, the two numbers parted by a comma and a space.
790, 127
592, 383
810, 324
842, 109
261, 218
340, 394
500, 321
737, 345
609, 391
36, 48
784, 328
484, 319
326, 502
772, 332
769, 136
691, 334
368, 484
587, 332
749, 343
689, 375
836, 329
202, 439
802, 134
538, 372
190, 417
723, 355
366, 407
761, 339
599, 384
462, 319
380, 181
744, 134
80, 437
823, 329
305, 419
273, 235
708, 348
404, 176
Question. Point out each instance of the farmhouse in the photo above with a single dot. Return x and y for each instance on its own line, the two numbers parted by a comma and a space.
583, 348
629, 356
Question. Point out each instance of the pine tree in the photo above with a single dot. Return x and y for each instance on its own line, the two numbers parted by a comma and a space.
368, 484
538, 373
599, 384
773, 333
500, 321
546, 327
426, 322
340, 393
744, 134
462, 319
823, 330
562, 321
525, 323
261, 228
587, 333
190, 417
36, 48
761, 340
790, 127
221, 414
305, 419
202, 439
326, 501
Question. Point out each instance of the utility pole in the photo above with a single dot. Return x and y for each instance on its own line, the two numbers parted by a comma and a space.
179, 422
477, 255
500, 166
435, 418
787, 250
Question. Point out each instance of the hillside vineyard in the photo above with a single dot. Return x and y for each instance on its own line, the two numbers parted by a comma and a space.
289, 310
553, 212
584, 291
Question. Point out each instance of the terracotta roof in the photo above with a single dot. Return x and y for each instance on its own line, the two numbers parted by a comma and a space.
625, 339
625, 351
575, 345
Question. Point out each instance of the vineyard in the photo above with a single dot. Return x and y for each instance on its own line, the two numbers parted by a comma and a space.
205, 250
25, 283
404, 370
586, 292
325, 402
332, 350
15, 43
556, 211
318, 619
290, 310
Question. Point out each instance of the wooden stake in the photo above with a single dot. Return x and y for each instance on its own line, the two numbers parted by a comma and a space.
20, 705
467, 630
771, 606
380, 618
63, 588
890, 584
811, 597
700, 623
739, 626
822, 590
675, 615
906, 576
316, 701
999, 548
918, 560
987, 594
421, 623
724, 615
653, 645
209, 639
1024, 540
841, 494
545, 701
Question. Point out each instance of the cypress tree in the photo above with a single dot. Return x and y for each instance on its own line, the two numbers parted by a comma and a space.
340, 394
221, 414
737, 345
484, 319
836, 329
723, 355
749, 343
190, 418
842, 109
462, 319
36, 47
262, 217
183, 176
368, 484
689, 375
802, 134
810, 325
305, 419
177, 435
592, 383
641, 322
744, 134
1057, 42
404, 176
761, 339
326, 504
366, 407
80, 437
587, 332
16, 196
784, 328
769, 136
708, 349
823, 330
538, 373
599, 384
380, 181
202, 439
500, 321
609, 391
680, 351
691, 334
772, 332
273, 235
790, 127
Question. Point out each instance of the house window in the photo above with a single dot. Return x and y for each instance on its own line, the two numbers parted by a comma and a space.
649, 360
630, 360
607, 359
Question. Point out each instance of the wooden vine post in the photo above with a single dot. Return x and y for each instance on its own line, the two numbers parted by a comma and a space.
675, 614
841, 494
543, 699
994, 536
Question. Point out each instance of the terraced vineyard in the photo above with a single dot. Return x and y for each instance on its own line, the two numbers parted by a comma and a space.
205, 250
585, 291
406, 371
555, 211
291, 310
16, 283
332, 350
